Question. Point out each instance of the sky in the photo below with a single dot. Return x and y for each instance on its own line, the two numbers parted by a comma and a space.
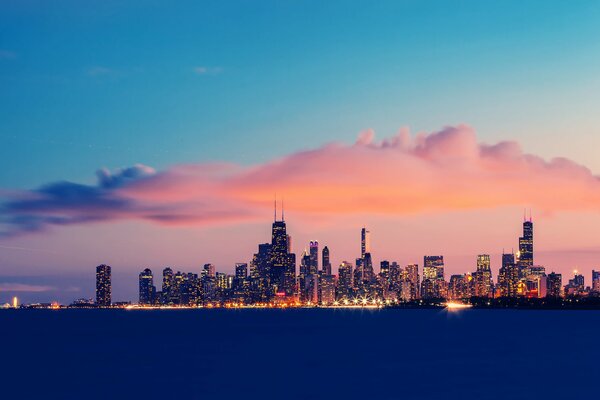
151, 134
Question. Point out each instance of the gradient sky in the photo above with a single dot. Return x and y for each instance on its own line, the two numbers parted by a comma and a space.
248, 86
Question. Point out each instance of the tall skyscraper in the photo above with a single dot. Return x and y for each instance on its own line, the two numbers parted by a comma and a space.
146, 286
483, 277
103, 286
526, 247
167, 286
412, 276
326, 264
508, 276
314, 256
365, 242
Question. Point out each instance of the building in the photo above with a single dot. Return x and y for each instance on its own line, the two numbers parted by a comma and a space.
483, 276
365, 242
326, 264
457, 288
576, 286
327, 290
554, 285
103, 286
596, 281
432, 285
526, 247
344, 290
411, 275
147, 290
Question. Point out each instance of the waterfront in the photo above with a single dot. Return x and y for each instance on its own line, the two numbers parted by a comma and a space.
299, 353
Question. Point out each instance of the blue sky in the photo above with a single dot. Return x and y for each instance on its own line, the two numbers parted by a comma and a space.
92, 84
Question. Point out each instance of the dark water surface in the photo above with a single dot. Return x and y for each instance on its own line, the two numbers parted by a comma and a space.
299, 354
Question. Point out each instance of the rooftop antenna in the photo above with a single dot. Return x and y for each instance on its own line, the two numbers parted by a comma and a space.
530, 217
275, 208
282, 210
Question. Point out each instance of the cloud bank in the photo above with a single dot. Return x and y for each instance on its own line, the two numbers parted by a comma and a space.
440, 171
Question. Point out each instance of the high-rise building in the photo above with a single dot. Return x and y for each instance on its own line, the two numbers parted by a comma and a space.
508, 276
365, 242
554, 285
432, 285
103, 286
483, 276
526, 247
282, 263
167, 286
327, 289
345, 281
314, 256
412, 276
595, 281
326, 263
147, 289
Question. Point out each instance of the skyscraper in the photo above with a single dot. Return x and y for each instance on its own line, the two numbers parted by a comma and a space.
432, 285
595, 281
508, 276
167, 286
345, 281
412, 276
103, 286
526, 247
326, 264
483, 277
147, 289
365, 242
554, 285
314, 256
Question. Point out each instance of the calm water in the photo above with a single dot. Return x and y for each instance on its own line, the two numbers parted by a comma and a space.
299, 354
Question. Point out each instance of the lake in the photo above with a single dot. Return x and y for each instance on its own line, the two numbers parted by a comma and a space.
299, 354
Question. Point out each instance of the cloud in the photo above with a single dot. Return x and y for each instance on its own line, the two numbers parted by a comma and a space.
23, 287
204, 70
404, 174
100, 71
7, 55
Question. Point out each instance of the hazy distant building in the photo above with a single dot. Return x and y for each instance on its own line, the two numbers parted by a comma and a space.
595, 281
103, 286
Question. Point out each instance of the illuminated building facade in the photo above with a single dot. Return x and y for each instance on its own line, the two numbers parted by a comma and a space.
554, 285
103, 286
147, 290
433, 284
483, 276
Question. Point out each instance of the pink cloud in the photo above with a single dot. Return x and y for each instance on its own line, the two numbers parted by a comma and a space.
441, 171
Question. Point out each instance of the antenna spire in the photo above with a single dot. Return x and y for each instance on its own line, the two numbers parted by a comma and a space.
282, 210
275, 208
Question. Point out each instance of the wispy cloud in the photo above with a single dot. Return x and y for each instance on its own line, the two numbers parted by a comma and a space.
204, 70
441, 171
24, 287
98, 70
7, 55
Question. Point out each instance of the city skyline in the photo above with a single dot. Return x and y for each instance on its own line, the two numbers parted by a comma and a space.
273, 276
147, 147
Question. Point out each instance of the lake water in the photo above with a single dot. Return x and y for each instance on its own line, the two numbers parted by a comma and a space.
299, 354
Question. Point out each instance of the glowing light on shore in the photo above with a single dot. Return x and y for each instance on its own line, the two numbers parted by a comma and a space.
451, 305
15, 302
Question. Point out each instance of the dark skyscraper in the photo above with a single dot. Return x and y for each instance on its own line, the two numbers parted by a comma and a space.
365, 242
314, 256
282, 263
147, 289
526, 247
167, 286
103, 286
326, 263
